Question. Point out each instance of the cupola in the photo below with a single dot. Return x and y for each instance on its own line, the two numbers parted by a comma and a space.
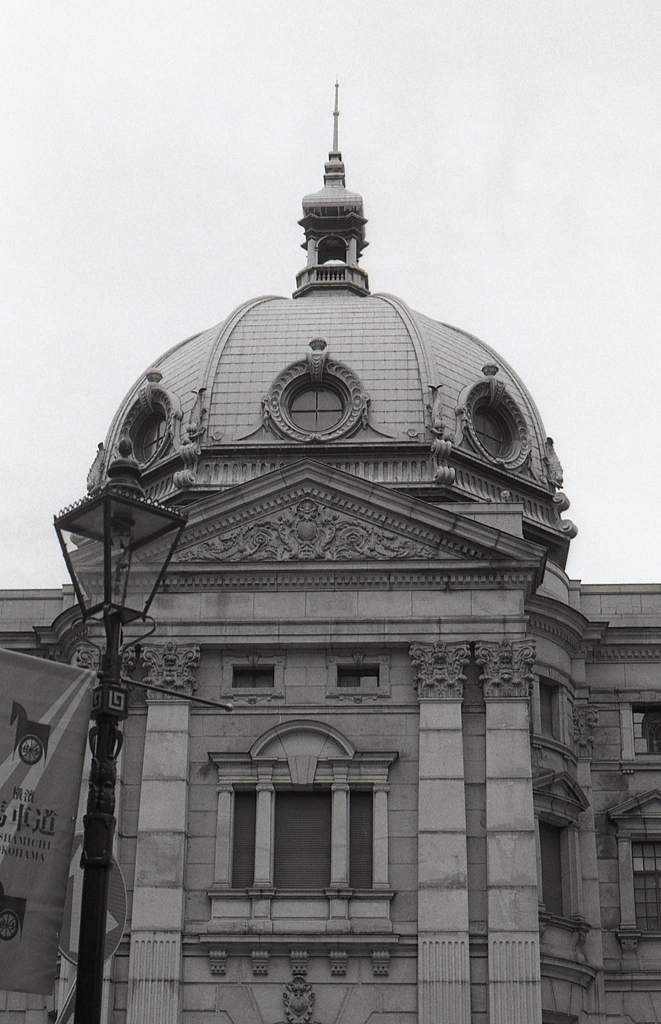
334, 228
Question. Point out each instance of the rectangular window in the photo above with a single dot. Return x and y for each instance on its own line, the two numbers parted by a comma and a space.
360, 840
243, 853
647, 729
546, 701
302, 840
550, 838
367, 676
647, 885
252, 678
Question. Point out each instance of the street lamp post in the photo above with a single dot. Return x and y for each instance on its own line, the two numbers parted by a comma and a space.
117, 546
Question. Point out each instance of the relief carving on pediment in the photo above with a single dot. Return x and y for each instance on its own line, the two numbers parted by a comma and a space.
310, 530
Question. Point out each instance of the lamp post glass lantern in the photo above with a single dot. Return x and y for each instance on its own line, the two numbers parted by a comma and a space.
117, 546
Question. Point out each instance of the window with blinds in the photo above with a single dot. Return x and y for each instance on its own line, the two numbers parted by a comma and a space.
550, 837
546, 701
243, 852
302, 840
360, 840
647, 885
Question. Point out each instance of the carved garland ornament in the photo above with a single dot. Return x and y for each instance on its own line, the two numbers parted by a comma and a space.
307, 531
507, 667
316, 368
493, 394
438, 669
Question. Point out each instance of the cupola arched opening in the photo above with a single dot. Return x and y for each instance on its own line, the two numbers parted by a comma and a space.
332, 247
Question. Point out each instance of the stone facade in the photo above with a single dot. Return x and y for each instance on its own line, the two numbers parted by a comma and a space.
437, 799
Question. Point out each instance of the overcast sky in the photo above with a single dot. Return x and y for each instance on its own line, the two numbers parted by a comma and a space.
154, 155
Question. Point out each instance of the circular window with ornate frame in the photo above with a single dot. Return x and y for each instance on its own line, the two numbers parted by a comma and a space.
315, 399
149, 420
495, 423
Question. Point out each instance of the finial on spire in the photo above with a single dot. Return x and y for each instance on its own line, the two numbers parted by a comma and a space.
336, 118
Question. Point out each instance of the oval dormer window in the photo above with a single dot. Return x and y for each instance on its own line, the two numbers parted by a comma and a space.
148, 436
316, 409
492, 430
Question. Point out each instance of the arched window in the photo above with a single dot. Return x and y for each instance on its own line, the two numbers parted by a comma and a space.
332, 248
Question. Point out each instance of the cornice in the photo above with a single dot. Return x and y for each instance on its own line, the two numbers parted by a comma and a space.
186, 577
556, 621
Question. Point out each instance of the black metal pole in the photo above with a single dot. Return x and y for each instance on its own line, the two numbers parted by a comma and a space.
109, 707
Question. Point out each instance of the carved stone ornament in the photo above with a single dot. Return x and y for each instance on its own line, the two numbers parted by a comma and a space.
441, 446
585, 717
307, 531
89, 657
316, 368
507, 667
299, 1001
154, 398
492, 394
172, 666
438, 668
554, 473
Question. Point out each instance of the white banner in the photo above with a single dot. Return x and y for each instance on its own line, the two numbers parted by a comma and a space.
44, 721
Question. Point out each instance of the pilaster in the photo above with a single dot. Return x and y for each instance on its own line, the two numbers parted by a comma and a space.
155, 965
513, 932
443, 960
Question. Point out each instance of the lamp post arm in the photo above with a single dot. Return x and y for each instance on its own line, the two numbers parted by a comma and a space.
223, 705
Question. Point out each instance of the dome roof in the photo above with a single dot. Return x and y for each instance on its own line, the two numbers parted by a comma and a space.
397, 354
360, 382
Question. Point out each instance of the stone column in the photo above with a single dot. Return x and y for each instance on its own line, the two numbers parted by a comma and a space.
513, 926
443, 957
589, 936
380, 878
262, 891
155, 961
222, 873
340, 830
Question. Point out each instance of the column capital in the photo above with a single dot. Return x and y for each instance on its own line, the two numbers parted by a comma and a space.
507, 667
170, 665
439, 669
585, 718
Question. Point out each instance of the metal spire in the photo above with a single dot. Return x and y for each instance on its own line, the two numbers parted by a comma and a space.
336, 118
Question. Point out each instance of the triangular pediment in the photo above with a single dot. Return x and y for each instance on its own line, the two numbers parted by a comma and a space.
309, 512
642, 807
559, 793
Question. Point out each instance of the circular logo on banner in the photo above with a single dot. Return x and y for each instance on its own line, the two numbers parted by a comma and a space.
116, 914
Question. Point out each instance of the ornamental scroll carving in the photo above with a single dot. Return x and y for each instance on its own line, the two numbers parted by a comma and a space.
172, 666
305, 532
585, 717
439, 669
507, 667
441, 447
299, 1001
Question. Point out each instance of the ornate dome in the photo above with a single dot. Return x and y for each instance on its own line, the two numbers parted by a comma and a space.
357, 381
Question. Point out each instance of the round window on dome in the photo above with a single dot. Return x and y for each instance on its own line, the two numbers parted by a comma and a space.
316, 409
148, 436
492, 430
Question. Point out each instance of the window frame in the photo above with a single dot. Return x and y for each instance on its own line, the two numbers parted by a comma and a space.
558, 801
335, 663
636, 820
299, 756
252, 660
